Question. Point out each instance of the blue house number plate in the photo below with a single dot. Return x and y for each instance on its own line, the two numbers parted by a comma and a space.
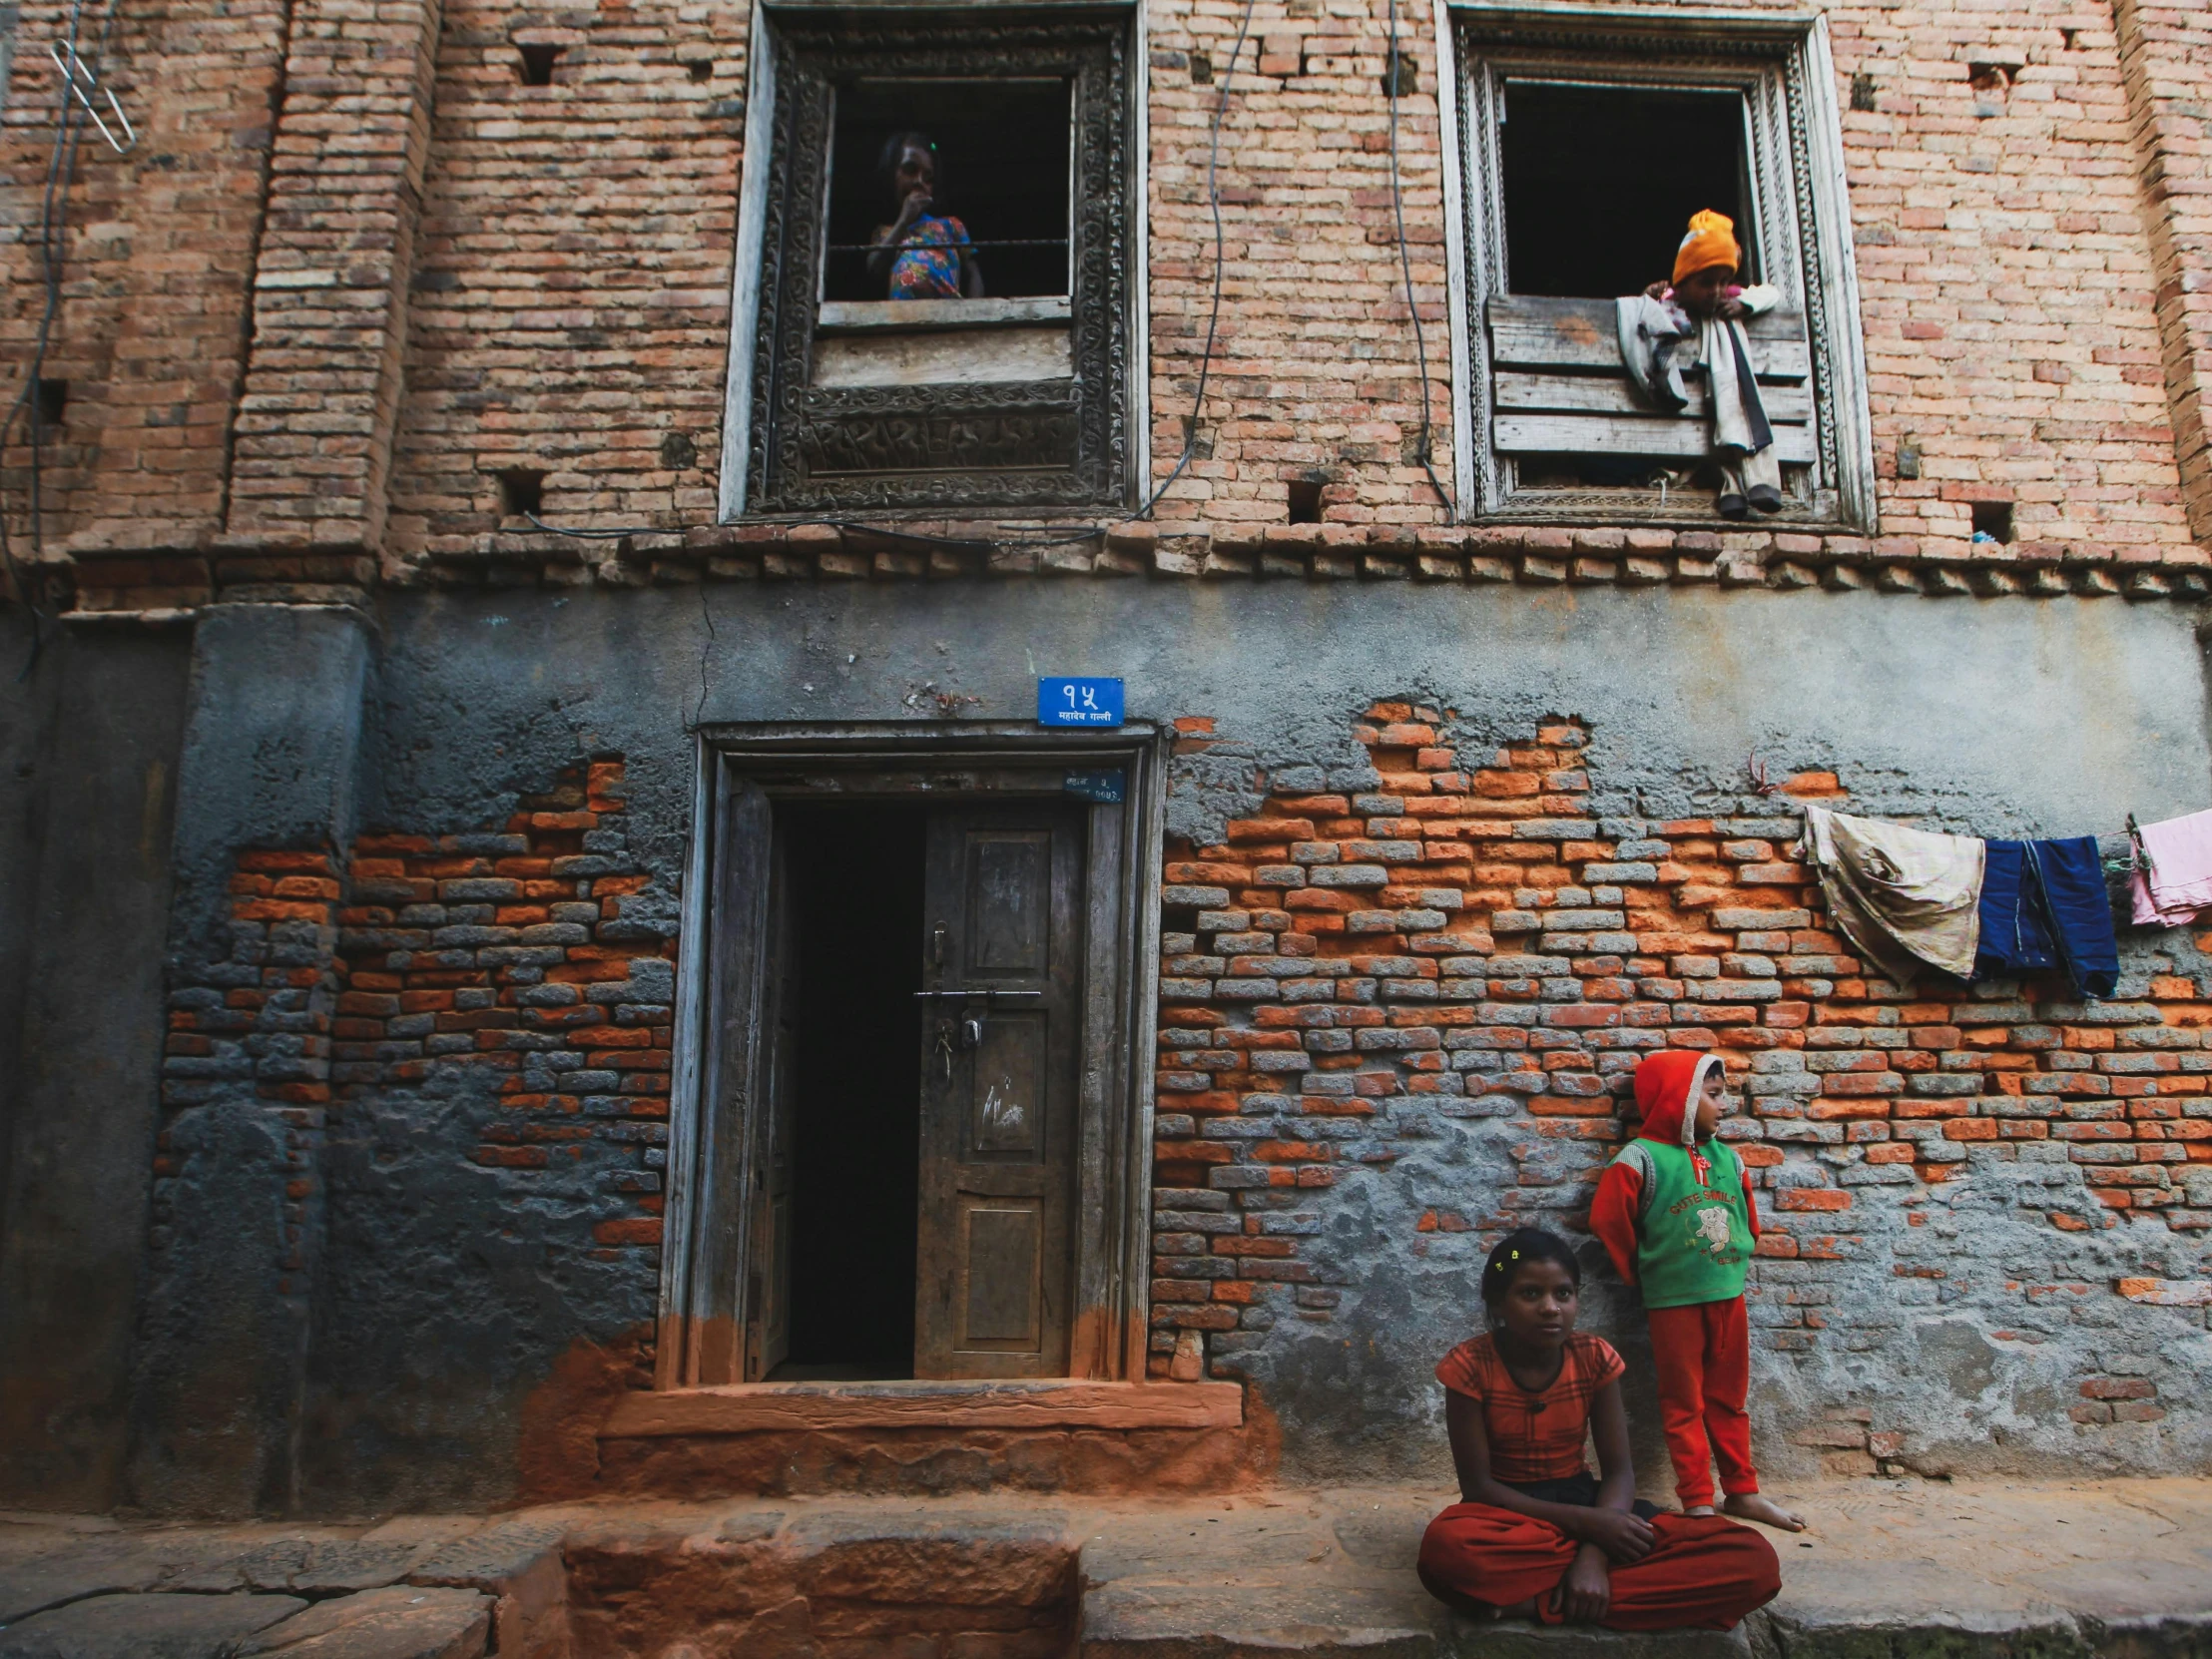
1079, 702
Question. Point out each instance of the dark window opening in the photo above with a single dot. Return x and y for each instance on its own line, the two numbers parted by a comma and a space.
1001, 155
856, 899
1993, 519
537, 63
1304, 501
1990, 78
1201, 70
521, 493
53, 402
702, 69
1601, 184
1863, 94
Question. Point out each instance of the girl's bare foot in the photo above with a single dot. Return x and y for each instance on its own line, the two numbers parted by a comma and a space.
1700, 1509
1756, 1506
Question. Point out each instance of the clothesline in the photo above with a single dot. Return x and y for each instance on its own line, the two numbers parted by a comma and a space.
1912, 898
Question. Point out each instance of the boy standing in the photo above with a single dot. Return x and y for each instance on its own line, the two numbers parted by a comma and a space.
1675, 1213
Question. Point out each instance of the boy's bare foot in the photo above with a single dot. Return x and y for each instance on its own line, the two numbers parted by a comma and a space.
1698, 1509
1525, 1608
1756, 1506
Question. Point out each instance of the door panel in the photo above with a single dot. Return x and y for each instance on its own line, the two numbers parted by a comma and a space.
1008, 1088
719, 1304
767, 1334
1001, 1245
1007, 887
1003, 967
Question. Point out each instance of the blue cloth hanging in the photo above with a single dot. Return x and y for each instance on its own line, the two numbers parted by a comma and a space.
2043, 905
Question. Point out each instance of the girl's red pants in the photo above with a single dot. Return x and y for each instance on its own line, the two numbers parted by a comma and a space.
1703, 1353
1703, 1572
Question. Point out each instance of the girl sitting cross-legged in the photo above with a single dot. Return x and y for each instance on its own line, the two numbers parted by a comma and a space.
1535, 1536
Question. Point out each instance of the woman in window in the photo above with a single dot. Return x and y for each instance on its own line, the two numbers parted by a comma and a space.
920, 254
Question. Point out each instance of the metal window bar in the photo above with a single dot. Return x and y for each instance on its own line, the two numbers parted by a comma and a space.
999, 241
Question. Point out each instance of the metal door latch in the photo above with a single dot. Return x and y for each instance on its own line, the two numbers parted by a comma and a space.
971, 1033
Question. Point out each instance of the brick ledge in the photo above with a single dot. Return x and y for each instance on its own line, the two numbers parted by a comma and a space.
148, 590
759, 1407
1749, 557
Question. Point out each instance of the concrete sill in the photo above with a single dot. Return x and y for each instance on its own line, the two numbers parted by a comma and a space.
910, 316
760, 1408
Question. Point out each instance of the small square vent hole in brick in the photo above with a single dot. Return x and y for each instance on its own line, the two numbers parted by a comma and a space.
521, 493
537, 61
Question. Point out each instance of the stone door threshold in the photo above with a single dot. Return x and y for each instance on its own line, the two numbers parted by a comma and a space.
757, 1408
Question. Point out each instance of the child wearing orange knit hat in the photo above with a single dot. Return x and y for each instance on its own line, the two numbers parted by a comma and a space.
1704, 299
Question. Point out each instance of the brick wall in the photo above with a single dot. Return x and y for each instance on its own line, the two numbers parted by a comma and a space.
1439, 935
481, 275
158, 262
570, 305
2005, 280
521, 953
1315, 376
2166, 54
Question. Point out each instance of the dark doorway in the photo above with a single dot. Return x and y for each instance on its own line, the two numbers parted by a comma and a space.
1002, 171
1601, 184
855, 892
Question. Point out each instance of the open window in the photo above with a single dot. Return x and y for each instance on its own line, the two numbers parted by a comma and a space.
972, 352
1583, 152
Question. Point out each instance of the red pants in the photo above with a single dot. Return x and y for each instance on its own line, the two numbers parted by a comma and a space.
1704, 1572
1703, 1353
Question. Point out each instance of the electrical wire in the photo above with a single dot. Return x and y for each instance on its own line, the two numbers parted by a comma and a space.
1405, 266
61, 172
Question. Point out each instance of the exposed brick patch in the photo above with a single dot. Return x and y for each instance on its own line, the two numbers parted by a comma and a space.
515, 951
1471, 939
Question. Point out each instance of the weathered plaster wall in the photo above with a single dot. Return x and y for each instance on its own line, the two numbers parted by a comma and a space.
2000, 716
274, 726
88, 772
351, 1310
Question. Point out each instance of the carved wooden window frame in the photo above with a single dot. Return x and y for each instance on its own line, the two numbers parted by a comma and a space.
1782, 65
1013, 422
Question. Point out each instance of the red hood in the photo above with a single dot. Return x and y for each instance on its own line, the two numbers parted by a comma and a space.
1666, 1082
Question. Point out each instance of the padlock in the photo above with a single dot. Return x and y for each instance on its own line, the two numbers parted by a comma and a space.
971, 1033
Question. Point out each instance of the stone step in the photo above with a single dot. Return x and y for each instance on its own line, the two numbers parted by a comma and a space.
400, 1622
1889, 1570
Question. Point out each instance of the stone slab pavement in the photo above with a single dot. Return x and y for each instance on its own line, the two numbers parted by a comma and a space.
1891, 1569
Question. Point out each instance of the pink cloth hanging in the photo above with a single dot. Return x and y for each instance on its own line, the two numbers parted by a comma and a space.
2179, 883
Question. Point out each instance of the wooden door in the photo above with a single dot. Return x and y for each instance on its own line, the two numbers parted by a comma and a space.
767, 1320
1003, 956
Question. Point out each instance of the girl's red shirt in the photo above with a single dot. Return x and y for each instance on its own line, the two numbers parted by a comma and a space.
1533, 1437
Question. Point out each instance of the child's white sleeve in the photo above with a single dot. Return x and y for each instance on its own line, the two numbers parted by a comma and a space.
1761, 297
